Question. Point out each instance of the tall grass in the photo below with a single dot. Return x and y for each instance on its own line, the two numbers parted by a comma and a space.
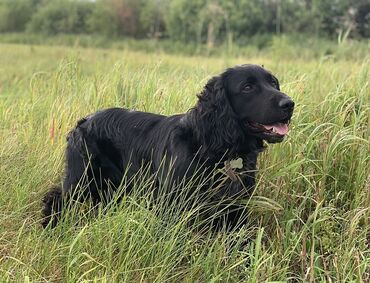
309, 217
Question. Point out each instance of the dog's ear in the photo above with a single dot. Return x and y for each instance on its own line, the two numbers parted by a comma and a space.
217, 122
215, 83
213, 95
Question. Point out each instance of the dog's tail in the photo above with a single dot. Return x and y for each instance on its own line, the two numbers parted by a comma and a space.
52, 207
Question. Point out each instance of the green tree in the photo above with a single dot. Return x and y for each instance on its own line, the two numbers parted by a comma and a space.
183, 20
61, 16
15, 14
251, 17
152, 17
103, 19
332, 16
362, 18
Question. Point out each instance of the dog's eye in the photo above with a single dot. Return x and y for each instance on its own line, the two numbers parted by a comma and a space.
274, 83
248, 87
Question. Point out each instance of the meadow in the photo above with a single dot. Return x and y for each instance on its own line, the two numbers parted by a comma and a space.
309, 214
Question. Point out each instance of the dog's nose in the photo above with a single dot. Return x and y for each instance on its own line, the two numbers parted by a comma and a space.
286, 104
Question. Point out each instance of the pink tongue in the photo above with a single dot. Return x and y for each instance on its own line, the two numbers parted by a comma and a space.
279, 128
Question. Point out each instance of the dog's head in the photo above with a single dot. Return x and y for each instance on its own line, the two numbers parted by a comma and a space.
253, 96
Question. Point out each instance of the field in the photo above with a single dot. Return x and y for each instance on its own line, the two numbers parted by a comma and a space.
309, 216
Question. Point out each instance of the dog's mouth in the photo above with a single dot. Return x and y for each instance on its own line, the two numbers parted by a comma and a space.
275, 130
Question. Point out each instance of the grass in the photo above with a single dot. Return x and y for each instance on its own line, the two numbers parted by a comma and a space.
309, 218
290, 46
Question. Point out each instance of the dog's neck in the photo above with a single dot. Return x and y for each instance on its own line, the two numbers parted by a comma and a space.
220, 136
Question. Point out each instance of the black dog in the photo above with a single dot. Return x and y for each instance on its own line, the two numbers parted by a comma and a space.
235, 112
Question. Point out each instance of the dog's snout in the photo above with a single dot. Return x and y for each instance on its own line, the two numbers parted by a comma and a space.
286, 104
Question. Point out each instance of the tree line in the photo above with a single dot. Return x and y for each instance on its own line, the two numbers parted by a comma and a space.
199, 21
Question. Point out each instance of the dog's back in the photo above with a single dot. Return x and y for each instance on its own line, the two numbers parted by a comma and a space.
105, 146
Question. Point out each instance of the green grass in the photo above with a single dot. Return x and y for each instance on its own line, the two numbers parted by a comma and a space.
309, 218
297, 46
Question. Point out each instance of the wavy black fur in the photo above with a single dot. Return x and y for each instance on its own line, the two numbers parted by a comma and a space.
107, 144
